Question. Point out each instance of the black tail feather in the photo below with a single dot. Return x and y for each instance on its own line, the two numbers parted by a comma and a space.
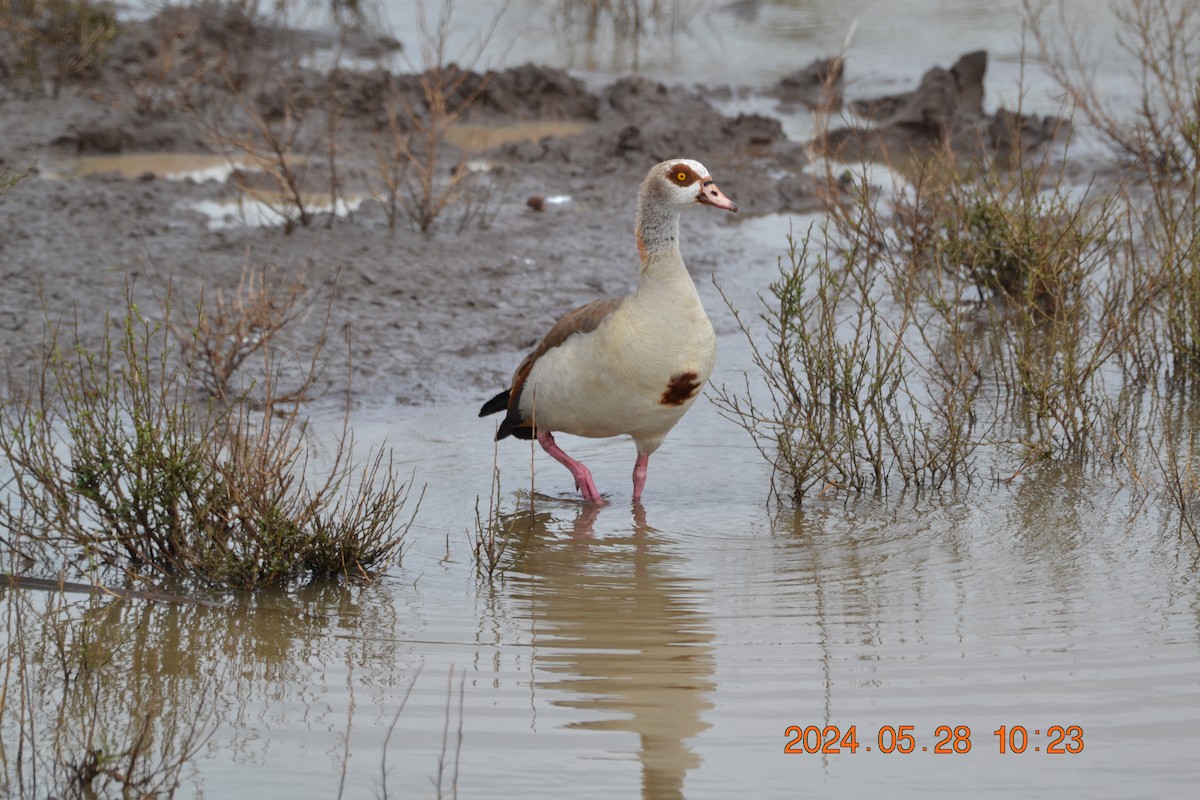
496, 404
512, 424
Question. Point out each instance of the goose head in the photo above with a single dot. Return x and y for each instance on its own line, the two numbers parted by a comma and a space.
681, 183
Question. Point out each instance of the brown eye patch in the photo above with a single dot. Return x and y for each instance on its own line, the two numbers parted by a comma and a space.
683, 175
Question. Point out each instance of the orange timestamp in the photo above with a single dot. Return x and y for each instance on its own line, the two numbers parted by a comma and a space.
948, 740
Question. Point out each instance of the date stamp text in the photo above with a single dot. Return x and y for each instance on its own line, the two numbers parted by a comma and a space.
946, 740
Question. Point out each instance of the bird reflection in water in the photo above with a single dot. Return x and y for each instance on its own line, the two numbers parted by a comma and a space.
618, 634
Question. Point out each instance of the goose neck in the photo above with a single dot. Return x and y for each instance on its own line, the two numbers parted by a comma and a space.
657, 231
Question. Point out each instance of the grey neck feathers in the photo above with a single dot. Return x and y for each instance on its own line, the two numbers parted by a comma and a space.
657, 229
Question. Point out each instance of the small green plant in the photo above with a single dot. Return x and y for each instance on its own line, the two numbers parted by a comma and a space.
1035, 256
9, 179
114, 464
1001, 248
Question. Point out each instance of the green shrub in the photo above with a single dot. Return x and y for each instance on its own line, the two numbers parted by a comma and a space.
115, 463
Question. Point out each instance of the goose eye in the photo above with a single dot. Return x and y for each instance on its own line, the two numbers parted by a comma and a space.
681, 176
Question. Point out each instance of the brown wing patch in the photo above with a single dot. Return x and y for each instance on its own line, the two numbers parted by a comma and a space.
681, 388
580, 320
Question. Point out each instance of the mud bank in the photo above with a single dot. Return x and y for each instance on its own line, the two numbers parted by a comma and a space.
428, 317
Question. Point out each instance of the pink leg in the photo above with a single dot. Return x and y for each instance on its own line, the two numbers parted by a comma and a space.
583, 478
639, 476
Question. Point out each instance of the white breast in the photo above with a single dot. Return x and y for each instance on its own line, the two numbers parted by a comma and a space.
618, 379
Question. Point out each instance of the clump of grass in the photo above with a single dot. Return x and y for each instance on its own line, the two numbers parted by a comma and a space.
43, 43
902, 339
838, 383
116, 464
1013, 242
625, 23
1036, 256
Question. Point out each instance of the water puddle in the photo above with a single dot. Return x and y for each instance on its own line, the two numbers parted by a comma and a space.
256, 206
199, 167
249, 206
479, 138
259, 208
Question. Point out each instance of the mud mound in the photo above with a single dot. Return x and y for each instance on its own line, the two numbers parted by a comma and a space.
533, 92
945, 110
816, 86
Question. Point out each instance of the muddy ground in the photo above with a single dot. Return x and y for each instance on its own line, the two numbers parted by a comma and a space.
431, 316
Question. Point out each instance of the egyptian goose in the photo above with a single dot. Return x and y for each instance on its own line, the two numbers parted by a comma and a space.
624, 365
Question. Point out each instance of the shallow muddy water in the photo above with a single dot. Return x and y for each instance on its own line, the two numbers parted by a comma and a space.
664, 650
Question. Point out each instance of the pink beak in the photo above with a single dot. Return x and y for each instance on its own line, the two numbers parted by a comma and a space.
710, 195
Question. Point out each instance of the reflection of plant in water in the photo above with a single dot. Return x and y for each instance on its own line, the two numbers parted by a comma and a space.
83, 719
119, 695
628, 18
628, 21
